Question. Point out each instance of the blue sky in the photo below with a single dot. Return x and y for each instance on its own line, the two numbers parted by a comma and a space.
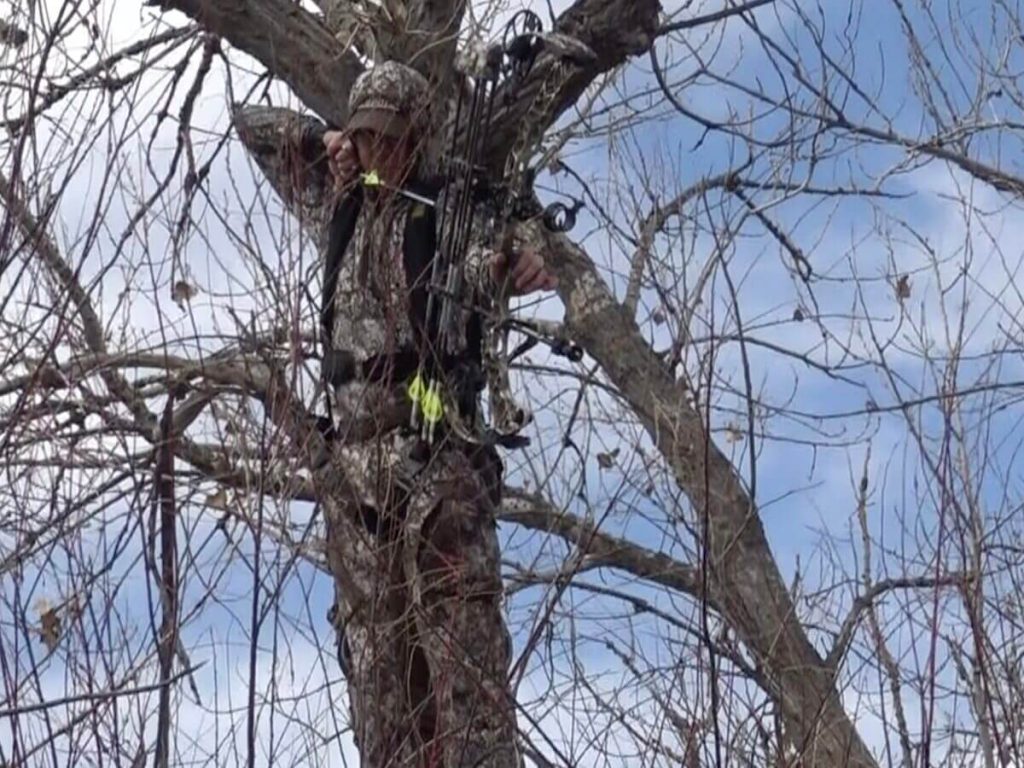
805, 491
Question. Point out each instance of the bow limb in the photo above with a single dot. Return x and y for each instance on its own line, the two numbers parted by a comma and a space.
513, 60
611, 32
509, 416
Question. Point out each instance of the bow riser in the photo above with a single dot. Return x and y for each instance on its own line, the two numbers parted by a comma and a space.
506, 203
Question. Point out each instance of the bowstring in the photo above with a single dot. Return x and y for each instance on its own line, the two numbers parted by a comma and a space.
456, 227
456, 221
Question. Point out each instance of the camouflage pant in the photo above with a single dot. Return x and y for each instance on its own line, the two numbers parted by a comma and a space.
422, 637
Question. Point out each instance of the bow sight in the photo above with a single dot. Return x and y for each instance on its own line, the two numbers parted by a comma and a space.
503, 68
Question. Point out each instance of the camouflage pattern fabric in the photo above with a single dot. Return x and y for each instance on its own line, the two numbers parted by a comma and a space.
434, 615
424, 643
391, 98
422, 637
370, 318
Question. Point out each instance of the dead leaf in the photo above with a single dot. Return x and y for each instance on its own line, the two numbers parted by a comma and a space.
49, 624
798, 315
607, 460
183, 291
903, 287
733, 433
556, 165
12, 35
51, 377
218, 500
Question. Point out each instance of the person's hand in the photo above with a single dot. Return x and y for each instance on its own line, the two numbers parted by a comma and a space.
342, 157
528, 272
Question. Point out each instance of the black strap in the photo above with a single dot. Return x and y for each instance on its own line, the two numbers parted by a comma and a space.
418, 245
418, 249
340, 366
339, 235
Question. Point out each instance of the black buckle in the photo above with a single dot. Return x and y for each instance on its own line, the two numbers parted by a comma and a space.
338, 367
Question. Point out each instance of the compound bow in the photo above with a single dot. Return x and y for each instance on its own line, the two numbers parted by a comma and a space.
467, 196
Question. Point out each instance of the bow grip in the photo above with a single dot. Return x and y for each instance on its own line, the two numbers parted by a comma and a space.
507, 247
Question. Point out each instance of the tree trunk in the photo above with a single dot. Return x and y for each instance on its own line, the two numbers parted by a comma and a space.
744, 578
421, 631
745, 584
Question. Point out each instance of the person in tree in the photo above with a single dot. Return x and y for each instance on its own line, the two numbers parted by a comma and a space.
421, 631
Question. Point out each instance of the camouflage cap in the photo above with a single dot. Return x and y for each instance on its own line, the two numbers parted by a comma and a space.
390, 99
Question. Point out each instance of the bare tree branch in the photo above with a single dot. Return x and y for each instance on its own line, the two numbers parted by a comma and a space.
600, 549
79, 301
879, 589
100, 72
292, 43
614, 30
97, 697
744, 574
710, 18
655, 222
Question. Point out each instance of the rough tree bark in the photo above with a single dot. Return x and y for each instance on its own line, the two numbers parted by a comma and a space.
745, 585
293, 44
744, 579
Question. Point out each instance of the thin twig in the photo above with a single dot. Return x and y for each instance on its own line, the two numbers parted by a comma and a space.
97, 697
711, 18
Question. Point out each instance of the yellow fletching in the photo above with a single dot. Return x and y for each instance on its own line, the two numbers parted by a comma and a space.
417, 389
433, 408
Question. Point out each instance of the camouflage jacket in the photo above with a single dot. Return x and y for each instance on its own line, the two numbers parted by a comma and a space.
371, 303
